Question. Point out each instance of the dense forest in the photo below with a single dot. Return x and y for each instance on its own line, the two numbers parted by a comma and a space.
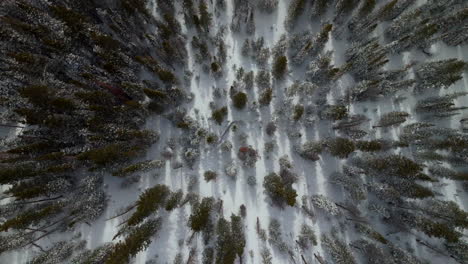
233, 131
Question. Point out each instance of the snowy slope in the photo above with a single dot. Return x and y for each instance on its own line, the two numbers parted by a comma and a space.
234, 193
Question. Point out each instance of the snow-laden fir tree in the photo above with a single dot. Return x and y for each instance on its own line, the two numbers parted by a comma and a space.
439, 74
339, 251
267, 6
312, 47
320, 70
364, 60
295, 9
439, 106
361, 23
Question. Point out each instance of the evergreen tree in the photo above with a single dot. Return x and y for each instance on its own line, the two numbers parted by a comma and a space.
392, 119
439, 74
319, 8
340, 147
148, 202
200, 217
279, 191
60, 252
338, 250
312, 47
306, 237
365, 59
435, 106
267, 6
295, 9
320, 71
280, 67
205, 16
137, 240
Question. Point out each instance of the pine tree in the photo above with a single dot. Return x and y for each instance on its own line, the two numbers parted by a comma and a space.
340, 147
266, 256
351, 184
295, 9
343, 9
278, 190
321, 202
334, 112
439, 74
267, 6
148, 202
320, 71
306, 237
364, 60
435, 106
366, 7
361, 23
319, 8
338, 250
459, 250
391, 165
242, 11
60, 252
32, 217
218, 115
280, 67
401, 256
312, 47
372, 252
139, 167
200, 217
230, 241
276, 236
310, 150
263, 79
392, 119
452, 28
239, 236
239, 100
250, 27
393, 9
437, 229
205, 16
302, 89
138, 240
94, 256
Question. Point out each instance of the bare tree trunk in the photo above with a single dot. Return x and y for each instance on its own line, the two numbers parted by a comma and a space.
191, 237
351, 211
126, 211
319, 259
291, 255
39, 247
40, 237
13, 126
38, 201
220, 209
436, 249
45, 227
6, 197
34, 137
258, 226
35, 230
225, 132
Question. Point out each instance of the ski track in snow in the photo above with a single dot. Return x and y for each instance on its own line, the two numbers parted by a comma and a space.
312, 175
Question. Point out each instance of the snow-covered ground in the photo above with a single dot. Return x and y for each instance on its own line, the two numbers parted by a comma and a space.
234, 193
